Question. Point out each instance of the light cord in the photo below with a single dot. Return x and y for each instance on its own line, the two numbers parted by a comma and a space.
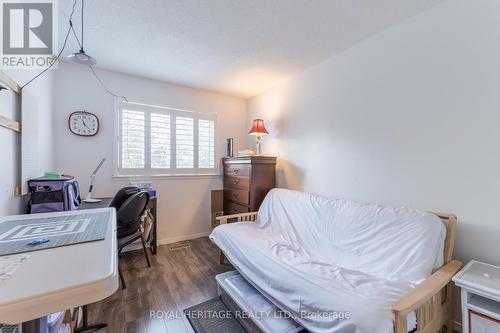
52, 63
71, 29
59, 55
83, 2
104, 86
74, 34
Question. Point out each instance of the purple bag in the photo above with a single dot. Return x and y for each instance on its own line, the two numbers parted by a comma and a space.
53, 195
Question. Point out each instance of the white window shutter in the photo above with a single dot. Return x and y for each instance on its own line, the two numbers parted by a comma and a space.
160, 141
132, 139
184, 141
206, 143
154, 140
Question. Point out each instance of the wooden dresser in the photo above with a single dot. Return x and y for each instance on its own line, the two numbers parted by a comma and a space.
246, 182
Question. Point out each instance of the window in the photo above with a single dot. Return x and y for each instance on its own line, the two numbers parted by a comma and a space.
206, 143
184, 142
154, 140
132, 134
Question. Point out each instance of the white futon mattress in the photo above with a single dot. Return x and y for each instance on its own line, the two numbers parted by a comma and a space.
335, 265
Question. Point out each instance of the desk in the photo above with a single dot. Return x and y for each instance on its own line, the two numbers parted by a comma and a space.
61, 278
152, 206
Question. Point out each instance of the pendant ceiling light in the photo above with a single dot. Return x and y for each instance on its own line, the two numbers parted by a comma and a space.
81, 57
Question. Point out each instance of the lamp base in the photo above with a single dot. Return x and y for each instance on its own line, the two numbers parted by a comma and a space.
92, 200
258, 152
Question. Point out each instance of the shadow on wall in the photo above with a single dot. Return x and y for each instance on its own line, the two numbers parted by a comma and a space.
279, 126
202, 210
288, 175
471, 240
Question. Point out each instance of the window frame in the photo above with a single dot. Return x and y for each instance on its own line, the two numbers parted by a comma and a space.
173, 171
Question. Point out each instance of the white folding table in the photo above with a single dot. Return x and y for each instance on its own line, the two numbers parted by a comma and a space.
60, 278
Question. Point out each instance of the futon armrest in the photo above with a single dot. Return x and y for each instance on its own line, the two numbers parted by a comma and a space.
425, 290
251, 216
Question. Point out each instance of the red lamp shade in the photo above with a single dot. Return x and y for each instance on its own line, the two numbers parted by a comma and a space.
258, 128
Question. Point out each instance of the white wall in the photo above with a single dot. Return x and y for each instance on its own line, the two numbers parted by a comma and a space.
37, 95
184, 203
410, 117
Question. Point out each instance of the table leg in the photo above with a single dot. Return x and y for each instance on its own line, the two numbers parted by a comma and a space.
85, 326
38, 325
465, 310
154, 239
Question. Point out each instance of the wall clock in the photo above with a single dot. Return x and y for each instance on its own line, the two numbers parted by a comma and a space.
83, 123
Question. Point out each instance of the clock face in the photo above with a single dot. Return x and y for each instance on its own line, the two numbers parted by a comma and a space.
83, 123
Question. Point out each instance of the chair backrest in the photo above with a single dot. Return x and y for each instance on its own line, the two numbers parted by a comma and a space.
122, 195
128, 216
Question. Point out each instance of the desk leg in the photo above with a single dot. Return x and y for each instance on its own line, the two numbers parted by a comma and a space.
154, 240
38, 325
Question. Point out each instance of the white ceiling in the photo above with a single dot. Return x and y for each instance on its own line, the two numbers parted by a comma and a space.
237, 47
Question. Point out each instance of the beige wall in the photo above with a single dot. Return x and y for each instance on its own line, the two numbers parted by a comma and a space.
38, 94
409, 117
184, 203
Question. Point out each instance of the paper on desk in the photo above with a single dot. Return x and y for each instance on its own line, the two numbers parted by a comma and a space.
9, 264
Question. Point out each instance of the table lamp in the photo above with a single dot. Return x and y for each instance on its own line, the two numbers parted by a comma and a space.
258, 129
89, 198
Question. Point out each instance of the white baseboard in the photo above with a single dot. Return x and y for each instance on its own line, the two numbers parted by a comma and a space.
137, 245
176, 239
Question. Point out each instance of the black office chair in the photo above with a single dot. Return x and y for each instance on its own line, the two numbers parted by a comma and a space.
122, 195
128, 221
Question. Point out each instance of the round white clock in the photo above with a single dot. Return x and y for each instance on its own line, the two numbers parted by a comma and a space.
83, 123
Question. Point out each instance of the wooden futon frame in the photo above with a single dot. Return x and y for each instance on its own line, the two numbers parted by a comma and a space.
431, 300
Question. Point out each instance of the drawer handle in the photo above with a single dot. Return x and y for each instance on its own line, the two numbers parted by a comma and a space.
235, 181
235, 195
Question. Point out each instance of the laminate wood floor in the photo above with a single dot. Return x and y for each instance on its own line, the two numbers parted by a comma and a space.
176, 280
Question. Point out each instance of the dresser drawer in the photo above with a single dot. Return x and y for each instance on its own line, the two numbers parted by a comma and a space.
234, 208
238, 196
237, 170
237, 182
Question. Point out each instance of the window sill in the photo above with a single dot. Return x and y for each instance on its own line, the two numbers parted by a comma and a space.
168, 176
